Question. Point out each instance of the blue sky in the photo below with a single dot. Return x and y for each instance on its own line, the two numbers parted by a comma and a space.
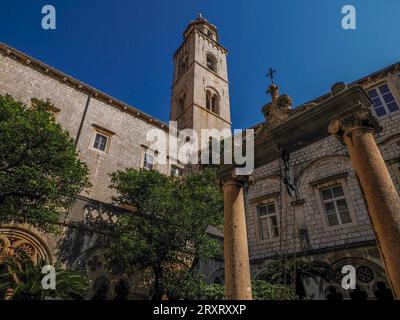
125, 48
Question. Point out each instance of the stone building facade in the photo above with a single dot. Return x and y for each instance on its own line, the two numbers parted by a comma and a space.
111, 135
326, 220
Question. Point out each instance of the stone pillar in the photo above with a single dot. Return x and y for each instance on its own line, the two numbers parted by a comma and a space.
236, 254
356, 131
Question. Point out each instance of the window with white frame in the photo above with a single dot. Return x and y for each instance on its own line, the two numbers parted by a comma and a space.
148, 161
383, 100
100, 142
267, 221
335, 206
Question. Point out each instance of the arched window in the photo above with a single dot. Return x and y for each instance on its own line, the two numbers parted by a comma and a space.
211, 63
183, 66
370, 282
212, 101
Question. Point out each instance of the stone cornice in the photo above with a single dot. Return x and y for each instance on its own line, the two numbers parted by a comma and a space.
307, 127
304, 253
220, 47
80, 86
214, 114
194, 30
371, 78
375, 76
317, 183
267, 196
205, 109
212, 72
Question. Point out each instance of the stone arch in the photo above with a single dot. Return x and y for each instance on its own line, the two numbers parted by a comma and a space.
103, 273
266, 184
94, 263
218, 277
212, 99
387, 143
14, 239
369, 280
213, 90
310, 168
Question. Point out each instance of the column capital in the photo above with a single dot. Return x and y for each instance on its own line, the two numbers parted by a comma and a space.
360, 120
230, 177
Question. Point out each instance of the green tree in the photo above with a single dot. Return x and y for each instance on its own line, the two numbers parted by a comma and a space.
261, 290
166, 231
295, 271
25, 278
40, 174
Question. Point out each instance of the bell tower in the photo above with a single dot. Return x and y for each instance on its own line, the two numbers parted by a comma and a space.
200, 91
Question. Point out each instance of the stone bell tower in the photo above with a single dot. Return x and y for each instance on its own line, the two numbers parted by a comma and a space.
200, 92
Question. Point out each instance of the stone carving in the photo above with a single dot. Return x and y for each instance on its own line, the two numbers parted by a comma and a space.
16, 243
362, 119
277, 111
338, 87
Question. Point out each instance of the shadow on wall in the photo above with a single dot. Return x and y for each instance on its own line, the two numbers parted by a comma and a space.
86, 246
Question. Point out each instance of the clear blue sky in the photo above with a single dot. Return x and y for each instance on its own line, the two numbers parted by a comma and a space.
125, 48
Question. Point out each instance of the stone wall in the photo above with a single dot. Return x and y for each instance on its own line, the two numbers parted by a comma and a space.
128, 138
303, 220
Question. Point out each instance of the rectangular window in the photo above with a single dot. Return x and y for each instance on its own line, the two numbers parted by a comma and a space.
176, 171
335, 206
148, 161
100, 142
383, 100
267, 221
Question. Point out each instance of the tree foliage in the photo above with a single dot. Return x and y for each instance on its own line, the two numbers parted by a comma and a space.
275, 270
261, 290
166, 232
40, 174
295, 271
25, 278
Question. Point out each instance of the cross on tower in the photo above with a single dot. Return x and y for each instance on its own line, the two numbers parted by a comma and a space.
271, 75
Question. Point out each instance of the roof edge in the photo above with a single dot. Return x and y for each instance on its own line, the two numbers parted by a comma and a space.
81, 86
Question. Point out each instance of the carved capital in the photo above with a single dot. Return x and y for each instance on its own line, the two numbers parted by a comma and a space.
230, 177
361, 120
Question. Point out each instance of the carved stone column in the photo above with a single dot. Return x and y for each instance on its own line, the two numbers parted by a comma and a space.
356, 131
236, 254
